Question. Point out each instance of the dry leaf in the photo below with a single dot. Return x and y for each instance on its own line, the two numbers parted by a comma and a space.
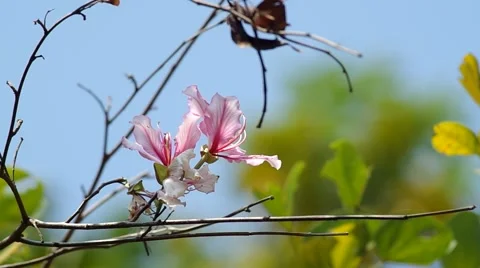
270, 14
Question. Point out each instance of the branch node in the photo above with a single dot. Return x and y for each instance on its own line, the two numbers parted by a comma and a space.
134, 81
34, 224
39, 22
38, 56
84, 17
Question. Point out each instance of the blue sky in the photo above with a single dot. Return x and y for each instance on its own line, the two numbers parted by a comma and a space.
426, 40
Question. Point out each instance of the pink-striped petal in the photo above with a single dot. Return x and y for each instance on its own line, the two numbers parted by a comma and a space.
137, 147
255, 160
223, 124
150, 139
188, 134
197, 104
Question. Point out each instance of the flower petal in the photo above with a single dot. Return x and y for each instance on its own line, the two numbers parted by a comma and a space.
198, 105
150, 139
174, 187
169, 201
188, 134
223, 124
137, 147
180, 166
254, 160
204, 181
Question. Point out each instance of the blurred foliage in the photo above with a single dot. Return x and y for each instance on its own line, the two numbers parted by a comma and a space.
32, 192
366, 152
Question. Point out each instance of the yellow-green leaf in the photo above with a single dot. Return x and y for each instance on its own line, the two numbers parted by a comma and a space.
470, 77
344, 253
452, 138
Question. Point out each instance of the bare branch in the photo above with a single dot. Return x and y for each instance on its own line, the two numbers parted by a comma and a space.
147, 206
125, 224
109, 196
115, 241
92, 195
46, 15
39, 22
286, 33
189, 41
344, 70
128, 101
264, 74
95, 97
34, 224
172, 70
12, 129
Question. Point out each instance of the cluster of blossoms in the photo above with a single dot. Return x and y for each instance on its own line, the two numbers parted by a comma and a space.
221, 121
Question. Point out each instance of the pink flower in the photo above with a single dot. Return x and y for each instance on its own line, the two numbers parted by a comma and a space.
156, 146
153, 145
224, 125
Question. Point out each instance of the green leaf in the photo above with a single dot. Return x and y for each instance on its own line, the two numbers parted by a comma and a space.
466, 230
415, 241
161, 172
275, 207
291, 186
20, 174
137, 187
32, 196
349, 173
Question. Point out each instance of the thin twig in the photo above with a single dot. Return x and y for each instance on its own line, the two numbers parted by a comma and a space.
147, 206
34, 224
344, 70
126, 224
234, 213
103, 200
191, 39
166, 79
92, 195
264, 74
46, 15
52, 255
285, 33
94, 96
170, 237
15, 158
12, 87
